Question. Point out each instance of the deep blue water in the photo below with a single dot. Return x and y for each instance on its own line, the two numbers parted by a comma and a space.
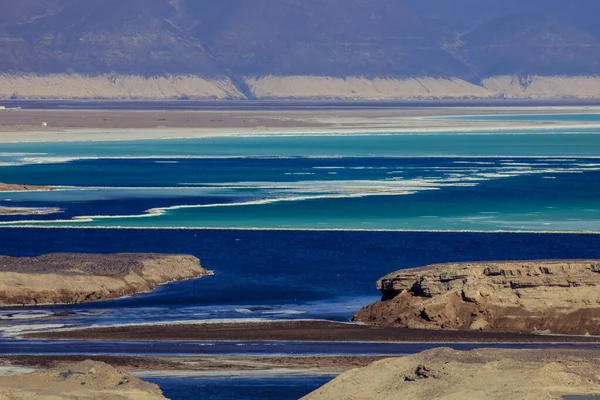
277, 274
239, 388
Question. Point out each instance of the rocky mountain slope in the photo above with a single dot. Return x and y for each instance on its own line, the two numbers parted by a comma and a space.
231, 43
83, 380
492, 374
78, 278
531, 296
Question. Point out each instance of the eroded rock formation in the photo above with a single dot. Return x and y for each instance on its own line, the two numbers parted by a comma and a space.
84, 380
530, 296
78, 278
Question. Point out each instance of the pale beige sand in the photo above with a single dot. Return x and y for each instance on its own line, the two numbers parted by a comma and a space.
91, 380
446, 374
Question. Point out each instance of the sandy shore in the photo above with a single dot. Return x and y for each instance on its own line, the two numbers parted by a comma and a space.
101, 125
307, 331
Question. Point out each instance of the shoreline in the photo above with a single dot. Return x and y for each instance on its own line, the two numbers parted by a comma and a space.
25, 126
297, 331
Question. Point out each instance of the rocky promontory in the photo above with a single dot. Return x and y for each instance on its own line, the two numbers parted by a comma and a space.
84, 380
67, 278
491, 374
560, 297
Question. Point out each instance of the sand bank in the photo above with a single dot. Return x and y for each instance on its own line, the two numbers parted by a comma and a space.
308, 331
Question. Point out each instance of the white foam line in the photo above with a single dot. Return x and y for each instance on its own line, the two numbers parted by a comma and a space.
16, 330
389, 187
291, 229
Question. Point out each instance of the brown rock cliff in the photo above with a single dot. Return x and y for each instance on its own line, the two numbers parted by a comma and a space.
560, 297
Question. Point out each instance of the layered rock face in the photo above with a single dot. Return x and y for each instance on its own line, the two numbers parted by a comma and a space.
84, 380
78, 278
491, 374
560, 297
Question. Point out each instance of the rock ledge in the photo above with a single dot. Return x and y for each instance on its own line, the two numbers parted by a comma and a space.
560, 297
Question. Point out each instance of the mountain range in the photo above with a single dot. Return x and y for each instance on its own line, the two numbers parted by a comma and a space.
237, 40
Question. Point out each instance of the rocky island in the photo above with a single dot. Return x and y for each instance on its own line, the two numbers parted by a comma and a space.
83, 380
77, 278
559, 297
493, 374
9, 187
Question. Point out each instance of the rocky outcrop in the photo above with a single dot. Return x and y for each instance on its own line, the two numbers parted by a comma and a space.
8, 187
84, 380
560, 297
491, 374
78, 278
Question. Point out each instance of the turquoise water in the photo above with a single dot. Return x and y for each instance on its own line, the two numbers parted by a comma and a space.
514, 180
558, 142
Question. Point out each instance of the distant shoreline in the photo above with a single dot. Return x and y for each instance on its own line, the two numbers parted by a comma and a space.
281, 104
32, 124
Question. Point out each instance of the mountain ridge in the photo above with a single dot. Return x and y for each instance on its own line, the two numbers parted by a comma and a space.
238, 43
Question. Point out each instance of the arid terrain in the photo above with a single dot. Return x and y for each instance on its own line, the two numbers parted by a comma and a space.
447, 374
83, 380
79, 278
559, 297
5, 187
